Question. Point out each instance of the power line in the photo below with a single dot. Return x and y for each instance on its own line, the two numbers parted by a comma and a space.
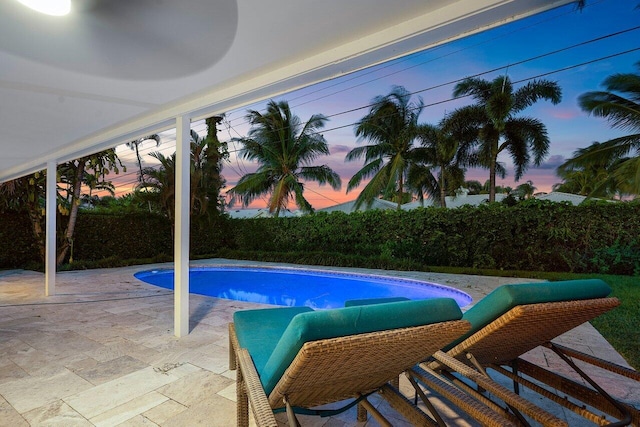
558, 70
602, 58
440, 57
378, 68
394, 63
504, 67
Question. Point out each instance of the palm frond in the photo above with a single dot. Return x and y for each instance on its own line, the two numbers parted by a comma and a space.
368, 170
534, 91
477, 88
322, 175
373, 189
621, 112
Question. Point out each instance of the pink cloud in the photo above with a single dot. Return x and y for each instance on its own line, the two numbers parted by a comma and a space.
340, 149
564, 114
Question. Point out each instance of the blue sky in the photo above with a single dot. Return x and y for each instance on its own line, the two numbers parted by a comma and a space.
568, 127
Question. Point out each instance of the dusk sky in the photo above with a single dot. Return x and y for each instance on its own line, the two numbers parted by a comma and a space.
512, 49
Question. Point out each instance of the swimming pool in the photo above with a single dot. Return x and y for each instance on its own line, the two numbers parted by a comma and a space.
298, 287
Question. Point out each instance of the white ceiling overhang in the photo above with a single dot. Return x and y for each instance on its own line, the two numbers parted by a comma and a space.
115, 70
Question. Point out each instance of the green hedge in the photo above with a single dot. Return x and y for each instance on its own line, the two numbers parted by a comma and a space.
17, 246
140, 235
533, 235
127, 236
109, 239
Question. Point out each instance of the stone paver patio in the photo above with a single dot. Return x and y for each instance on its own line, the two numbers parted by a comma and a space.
101, 352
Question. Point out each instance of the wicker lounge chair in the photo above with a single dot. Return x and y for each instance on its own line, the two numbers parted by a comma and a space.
296, 359
517, 318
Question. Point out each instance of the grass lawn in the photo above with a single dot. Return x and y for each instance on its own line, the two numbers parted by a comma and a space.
621, 326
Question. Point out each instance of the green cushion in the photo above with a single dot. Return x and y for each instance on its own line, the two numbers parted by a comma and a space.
367, 301
259, 330
339, 322
506, 297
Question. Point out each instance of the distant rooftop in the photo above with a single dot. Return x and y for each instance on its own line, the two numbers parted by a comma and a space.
259, 213
349, 207
462, 199
557, 196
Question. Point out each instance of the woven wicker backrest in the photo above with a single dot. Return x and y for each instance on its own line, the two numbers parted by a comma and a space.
527, 326
335, 369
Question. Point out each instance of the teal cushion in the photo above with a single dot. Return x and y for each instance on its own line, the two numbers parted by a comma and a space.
259, 330
506, 297
367, 301
339, 322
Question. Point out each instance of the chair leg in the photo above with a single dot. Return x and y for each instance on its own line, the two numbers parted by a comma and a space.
425, 400
367, 406
291, 416
362, 413
242, 405
395, 382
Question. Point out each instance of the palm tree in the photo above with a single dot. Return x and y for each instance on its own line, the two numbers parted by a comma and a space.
474, 187
392, 127
135, 146
284, 148
27, 194
620, 105
490, 126
592, 172
212, 181
160, 183
526, 190
439, 150
206, 155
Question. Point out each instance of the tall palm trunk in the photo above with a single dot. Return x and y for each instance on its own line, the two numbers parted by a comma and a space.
142, 181
443, 201
492, 180
400, 191
139, 164
73, 213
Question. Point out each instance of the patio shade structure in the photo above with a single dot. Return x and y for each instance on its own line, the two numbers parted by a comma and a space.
113, 71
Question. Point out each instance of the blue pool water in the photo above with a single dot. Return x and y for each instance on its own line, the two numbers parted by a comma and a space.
294, 287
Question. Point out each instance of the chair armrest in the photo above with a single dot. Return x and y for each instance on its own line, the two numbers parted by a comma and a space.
233, 345
258, 401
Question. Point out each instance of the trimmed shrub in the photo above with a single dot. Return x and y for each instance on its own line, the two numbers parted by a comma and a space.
17, 245
533, 235
99, 236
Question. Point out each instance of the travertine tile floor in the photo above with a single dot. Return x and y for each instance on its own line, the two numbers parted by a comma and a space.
102, 352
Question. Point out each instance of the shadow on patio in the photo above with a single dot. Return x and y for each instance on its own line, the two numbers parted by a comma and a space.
102, 352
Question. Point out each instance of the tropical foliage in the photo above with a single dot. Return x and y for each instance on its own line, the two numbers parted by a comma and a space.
159, 184
590, 173
491, 125
284, 148
439, 152
392, 128
525, 190
207, 154
27, 195
598, 237
135, 146
611, 167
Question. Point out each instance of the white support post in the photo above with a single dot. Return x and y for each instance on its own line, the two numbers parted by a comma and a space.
51, 207
181, 242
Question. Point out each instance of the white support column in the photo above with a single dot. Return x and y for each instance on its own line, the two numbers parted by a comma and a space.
182, 211
51, 208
